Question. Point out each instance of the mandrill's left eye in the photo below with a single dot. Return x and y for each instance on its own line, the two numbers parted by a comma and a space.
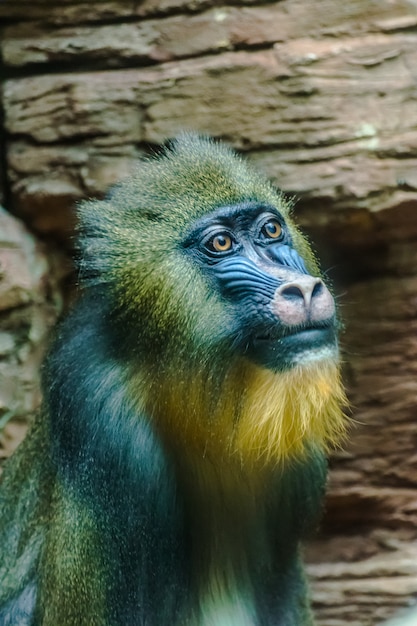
272, 229
220, 243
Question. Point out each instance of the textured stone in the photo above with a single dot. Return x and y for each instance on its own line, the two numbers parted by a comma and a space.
369, 536
87, 35
364, 592
322, 97
29, 304
317, 117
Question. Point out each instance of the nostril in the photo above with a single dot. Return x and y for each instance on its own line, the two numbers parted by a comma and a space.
302, 300
302, 290
318, 289
292, 291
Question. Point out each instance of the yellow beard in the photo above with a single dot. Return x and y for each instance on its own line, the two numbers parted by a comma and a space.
283, 412
227, 438
255, 415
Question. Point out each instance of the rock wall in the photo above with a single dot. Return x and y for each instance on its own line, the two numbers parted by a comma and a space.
30, 300
322, 96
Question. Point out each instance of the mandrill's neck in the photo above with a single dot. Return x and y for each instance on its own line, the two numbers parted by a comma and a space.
225, 512
285, 412
249, 456
252, 416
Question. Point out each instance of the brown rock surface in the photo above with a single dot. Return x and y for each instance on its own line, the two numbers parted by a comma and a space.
322, 96
29, 304
367, 549
330, 117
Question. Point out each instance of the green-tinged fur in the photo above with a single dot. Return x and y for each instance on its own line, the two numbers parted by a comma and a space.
134, 238
169, 479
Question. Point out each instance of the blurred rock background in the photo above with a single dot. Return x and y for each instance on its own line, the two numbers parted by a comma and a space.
319, 94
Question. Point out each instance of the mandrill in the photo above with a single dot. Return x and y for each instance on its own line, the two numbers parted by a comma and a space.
190, 399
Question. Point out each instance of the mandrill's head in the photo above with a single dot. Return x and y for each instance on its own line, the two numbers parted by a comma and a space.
219, 303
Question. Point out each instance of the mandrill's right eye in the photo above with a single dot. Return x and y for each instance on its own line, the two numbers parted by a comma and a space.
220, 243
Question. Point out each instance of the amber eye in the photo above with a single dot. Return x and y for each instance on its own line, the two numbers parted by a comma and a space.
272, 229
221, 243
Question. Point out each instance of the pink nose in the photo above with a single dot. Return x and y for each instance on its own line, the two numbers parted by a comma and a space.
305, 299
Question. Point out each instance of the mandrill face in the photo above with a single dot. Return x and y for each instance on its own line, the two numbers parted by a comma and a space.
284, 314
